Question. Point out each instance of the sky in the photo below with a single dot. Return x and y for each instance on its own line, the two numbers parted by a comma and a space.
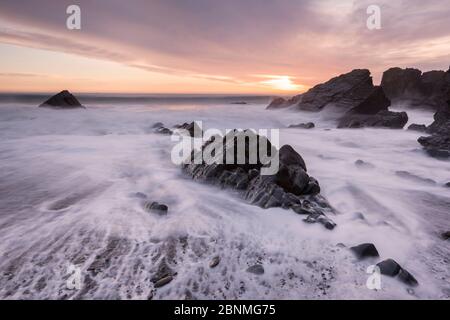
213, 46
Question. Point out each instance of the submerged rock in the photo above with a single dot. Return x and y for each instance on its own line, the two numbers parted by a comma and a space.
358, 103
62, 100
413, 177
156, 207
256, 269
362, 164
290, 187
307, 125
365, 250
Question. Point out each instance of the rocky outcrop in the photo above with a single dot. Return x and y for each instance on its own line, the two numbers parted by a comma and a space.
290, 187
438, 143
62, 100
427, 90
357, 102
373, 112
345, 91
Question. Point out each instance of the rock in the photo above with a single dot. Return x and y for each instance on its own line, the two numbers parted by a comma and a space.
447, 184
156, 207
362, 164
413, 177
214, 262
163, 281
308, 125
345, 91
391, 268
193, 129
163, 130
365, 250
256, 269
158, 125
383, 119
438, 143
417, 127
290, 187
62, 100
426, 90
445, 235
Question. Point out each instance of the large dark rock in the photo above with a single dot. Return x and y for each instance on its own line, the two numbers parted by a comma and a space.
290, 187
383, 119
426, 90
358, 102
345, 91
391, 268
438, 143
62, 100
373, 112
365, 250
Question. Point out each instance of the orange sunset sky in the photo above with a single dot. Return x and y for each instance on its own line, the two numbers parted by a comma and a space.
209, 46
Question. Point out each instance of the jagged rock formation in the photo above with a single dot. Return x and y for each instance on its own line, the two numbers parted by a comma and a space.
428, 90
438, 143
358, 102
62, 100
290, 187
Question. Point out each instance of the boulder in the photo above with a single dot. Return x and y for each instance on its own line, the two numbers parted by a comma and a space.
256, 269
391, 268
365, 250
289, 188
307, 125
358, 102
279, 103
62, 100
158, 208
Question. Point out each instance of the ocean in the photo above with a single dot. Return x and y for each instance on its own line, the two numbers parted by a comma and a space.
72, 185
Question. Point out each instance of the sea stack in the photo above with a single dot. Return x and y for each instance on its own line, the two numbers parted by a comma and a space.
62, 100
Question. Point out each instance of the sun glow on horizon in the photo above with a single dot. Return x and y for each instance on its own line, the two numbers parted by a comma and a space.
284, 83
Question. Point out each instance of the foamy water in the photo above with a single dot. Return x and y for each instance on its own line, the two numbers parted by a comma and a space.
68, 184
